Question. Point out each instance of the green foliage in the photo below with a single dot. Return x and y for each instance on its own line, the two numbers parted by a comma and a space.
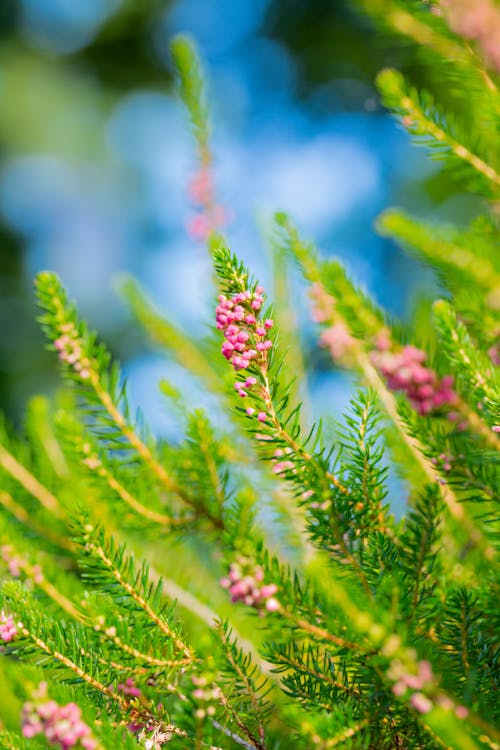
192, 90
461, 148
344, 627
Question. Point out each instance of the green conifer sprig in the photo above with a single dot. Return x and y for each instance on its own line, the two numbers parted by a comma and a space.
192, 91
448, 140
476, 372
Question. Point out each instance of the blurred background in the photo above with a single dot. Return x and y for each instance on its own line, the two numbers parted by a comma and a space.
95, 156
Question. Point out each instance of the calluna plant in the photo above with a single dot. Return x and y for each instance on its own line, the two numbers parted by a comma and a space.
248, 586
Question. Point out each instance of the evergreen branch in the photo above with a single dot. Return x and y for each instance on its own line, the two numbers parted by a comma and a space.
87, 365
135, 441
423, 121
89, 456
121, 571
255, 743
236, 738
234, 279
39, 579
321, 633
419, 544
207, 615
417, 28
48, 650
30, 483
244, 684
167, 522
40, 430
313, 272
345, 735
192, 91
25, 518
436, 246
473, 367
417, 450
362, 457
289, 657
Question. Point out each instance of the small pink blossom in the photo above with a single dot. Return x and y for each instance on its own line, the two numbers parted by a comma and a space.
61, 725
243, 331
405, 371
245, 584
422, 704
129, 688
337, 340
8, 628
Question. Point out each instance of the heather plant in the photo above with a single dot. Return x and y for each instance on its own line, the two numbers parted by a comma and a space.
248, 585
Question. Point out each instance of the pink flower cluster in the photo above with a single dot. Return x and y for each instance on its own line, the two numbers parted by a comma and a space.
70, 350
245, 334
17, 564
212, 216
279, 466
405, 680
478, 20
405, 371
338, 340
8, 628
324, 304
129, 688
414, 683
245, 584
494, 353
205, 696
13, 561
443, 461
61, 725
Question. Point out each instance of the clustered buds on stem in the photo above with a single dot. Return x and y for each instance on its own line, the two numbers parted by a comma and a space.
478, 20
338, 340
129, 688
205, 696
494, 353
61, 725
404, 371
403, 368
245, 584
17, 565
245, 336
212, 216
408, 683
8, 628
70, 349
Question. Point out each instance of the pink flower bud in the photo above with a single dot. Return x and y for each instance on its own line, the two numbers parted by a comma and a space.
422, 704
272, 605
268, 590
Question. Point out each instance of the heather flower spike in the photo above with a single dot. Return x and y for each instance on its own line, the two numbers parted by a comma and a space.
62, 726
